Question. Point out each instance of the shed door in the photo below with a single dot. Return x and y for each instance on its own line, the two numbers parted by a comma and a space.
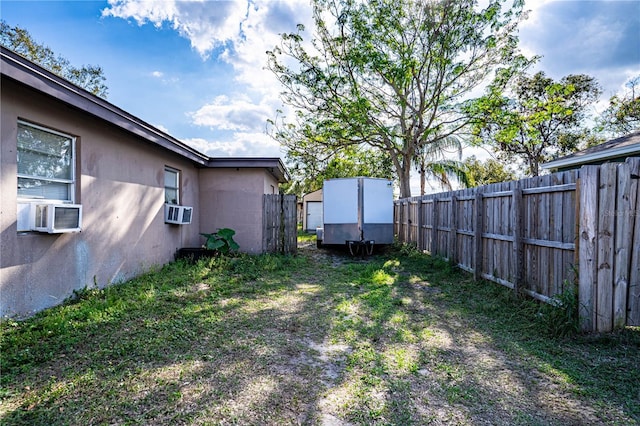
314, 215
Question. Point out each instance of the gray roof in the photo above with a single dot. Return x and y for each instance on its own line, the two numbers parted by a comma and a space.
622, 147
273, 165
17, 68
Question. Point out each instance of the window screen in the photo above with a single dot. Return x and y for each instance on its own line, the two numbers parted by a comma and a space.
171, 183
45, 164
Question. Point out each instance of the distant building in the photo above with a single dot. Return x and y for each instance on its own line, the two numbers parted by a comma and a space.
312, 211
614, 150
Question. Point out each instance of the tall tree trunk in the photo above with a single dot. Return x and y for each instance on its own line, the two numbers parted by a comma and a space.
404, 176
533, 166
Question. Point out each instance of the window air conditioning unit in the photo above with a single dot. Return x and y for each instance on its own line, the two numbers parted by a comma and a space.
56, 218
179, 215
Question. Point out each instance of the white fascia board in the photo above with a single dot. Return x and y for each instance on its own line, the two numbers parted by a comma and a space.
602, 155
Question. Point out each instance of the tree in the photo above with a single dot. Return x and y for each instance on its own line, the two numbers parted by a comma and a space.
20, 41
309, 169
623, 114
390, 74
431, 161
484, 173
538, 120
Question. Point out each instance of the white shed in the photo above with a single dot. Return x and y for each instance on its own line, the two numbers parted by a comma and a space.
312, 211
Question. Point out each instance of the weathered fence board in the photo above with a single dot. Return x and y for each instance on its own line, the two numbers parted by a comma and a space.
279, 223
604, 243
587, 246
542, 234
623, 240
633, 307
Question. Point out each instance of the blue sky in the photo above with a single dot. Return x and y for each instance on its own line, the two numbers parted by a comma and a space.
196, 69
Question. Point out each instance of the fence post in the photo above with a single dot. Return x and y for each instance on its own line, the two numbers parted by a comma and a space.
478, 224
423, 239
605, 247
623, 240
395, 217
434, 228
588, 205
518, 249
633, 308
417, 220
405, 222
453, 230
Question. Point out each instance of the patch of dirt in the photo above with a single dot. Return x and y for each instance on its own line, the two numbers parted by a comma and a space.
467, 380
334, 256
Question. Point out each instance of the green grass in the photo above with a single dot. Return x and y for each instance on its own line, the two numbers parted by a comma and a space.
306, 237
397, 338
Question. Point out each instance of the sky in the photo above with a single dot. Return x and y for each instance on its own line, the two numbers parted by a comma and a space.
196, 69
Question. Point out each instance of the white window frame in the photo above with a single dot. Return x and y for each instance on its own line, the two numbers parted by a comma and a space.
176, 188
71, 183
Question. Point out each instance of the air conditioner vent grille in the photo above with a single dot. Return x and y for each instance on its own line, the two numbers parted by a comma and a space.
178, 215
56, 218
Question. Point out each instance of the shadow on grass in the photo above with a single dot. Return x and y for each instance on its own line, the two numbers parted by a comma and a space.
187, 344
390, 339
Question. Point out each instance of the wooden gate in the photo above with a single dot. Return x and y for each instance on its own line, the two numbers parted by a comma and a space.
279, 222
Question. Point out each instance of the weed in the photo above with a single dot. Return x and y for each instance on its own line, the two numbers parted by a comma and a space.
561, 318
221, 241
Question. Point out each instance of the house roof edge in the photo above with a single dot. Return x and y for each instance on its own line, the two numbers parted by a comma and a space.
273, 165
20, 69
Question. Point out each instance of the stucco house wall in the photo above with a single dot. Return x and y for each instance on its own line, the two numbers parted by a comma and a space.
232, 198
120, 184
120, 164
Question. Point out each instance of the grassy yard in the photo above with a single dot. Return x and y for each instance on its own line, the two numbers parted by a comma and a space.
320, 338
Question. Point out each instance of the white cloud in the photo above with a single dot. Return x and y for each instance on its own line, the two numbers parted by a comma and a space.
245, 31
598, 38
261, 30
239, 113
240, 145
207, 24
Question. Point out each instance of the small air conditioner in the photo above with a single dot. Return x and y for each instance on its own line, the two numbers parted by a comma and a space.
179, 215
56, 218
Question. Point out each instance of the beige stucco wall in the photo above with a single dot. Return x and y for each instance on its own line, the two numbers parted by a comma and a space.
232, 198
121, 189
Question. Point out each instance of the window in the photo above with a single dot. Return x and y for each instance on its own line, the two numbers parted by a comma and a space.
46, 164
171, 186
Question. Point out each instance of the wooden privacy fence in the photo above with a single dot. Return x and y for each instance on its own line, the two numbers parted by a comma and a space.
539, 235
279, 224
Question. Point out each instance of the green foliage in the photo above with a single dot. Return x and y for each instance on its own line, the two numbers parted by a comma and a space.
310, 168
221, 241
20, 41
391, 75
431, 162
622, 116
405, 249
486, 172
561, 318
534, 119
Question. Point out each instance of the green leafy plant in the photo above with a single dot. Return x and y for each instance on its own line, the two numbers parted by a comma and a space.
221, 241
561, 318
